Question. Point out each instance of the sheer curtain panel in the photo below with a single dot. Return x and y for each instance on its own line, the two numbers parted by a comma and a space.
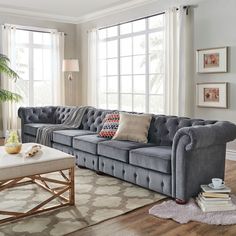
92, 68
58, 80
179, 62
9, 109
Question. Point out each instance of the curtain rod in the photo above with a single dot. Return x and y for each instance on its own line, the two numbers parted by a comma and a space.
141, 18
31, 30
37, 31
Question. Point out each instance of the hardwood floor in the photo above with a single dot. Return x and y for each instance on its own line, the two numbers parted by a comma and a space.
139, 223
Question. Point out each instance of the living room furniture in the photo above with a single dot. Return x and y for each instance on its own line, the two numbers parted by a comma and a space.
181, 153
17, 169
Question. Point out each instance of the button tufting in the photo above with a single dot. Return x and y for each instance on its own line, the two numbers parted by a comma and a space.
148, 179
135, 175
112, 168
103, 164
84, 159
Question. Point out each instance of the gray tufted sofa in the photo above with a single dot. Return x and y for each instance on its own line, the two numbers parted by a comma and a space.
181, 153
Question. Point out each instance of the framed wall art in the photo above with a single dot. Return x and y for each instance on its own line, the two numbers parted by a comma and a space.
212, 60
212, 95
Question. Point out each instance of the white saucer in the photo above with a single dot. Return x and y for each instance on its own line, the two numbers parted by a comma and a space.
211, 186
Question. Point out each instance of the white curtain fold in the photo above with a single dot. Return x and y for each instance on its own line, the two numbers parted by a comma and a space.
92, 68
58, 81
9, 109
179, 62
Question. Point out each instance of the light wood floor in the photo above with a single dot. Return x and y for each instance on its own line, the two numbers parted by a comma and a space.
139, 223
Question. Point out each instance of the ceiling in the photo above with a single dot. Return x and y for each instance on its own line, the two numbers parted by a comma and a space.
67, 10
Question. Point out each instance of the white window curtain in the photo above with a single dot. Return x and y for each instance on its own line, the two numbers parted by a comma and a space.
58, 86
179, 62
92, 68
9, 109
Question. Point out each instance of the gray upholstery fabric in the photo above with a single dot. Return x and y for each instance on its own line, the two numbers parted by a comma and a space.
86, 159
163, 128
87, 143
153, 158
60, 114
66, 136
118, 150
33, 127
153, 180
63, 148
93, 119
198, 149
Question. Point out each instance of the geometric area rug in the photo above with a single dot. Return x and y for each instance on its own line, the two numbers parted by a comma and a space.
97, 198
191, 212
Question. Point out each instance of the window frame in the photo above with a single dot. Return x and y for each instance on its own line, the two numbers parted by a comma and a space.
31, 46
146, 54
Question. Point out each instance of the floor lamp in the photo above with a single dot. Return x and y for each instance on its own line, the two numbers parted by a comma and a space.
70, 66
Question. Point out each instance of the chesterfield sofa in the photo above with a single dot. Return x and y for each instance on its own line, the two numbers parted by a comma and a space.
181, 153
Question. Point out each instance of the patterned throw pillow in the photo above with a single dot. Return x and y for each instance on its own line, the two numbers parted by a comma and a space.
110, 125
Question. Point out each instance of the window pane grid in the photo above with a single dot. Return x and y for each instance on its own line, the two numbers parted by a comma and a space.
133, 66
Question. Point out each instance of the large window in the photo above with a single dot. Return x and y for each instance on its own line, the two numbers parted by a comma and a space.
131, 66
33, 60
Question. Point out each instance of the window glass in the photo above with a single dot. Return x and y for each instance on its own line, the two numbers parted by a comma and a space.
131, 66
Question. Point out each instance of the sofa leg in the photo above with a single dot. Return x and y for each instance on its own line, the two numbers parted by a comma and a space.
181, 202
100, 173
81, 167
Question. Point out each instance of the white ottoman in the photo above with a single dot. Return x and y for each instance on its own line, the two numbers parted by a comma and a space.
17, 170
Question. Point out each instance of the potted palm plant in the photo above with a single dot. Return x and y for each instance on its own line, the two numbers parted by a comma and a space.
12, 141
6, 95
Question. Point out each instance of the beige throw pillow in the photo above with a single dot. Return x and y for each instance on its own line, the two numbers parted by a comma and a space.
133, 127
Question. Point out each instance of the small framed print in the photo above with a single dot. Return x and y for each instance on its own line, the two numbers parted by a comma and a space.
212, 95
213, 60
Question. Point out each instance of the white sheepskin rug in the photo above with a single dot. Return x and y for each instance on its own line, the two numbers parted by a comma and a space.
191, 212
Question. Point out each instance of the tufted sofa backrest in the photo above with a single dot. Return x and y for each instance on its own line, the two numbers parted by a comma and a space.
163, 128
93, 119
61, 113
37, 114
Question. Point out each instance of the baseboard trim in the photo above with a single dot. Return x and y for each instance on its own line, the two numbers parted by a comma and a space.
231, 155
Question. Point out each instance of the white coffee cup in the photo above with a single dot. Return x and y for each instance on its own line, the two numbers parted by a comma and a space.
217, 182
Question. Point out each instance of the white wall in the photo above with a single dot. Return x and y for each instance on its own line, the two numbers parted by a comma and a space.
214, 27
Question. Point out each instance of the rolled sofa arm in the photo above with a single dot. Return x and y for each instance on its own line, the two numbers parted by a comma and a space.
37, 114
207, 135
198, 155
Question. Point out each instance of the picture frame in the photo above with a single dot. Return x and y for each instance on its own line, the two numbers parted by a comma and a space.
212, 60
213, 95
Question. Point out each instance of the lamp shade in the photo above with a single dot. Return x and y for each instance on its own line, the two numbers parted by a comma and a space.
70, 65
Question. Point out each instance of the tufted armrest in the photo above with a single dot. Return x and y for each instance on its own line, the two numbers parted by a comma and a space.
204, 136
37, 114
198, 155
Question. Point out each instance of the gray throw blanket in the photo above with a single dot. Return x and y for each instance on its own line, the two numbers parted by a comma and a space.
73, 121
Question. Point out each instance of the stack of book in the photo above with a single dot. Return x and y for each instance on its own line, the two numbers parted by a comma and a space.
210, 200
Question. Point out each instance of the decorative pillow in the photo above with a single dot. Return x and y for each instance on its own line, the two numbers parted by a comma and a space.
133, 127
110, 125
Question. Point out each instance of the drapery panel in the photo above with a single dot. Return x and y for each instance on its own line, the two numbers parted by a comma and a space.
54, 75
179, 62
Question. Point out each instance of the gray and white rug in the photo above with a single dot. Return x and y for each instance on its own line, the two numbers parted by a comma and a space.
98, 198
191, 212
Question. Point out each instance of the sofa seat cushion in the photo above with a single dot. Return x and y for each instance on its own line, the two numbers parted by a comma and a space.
87, 143
32, 128
154, 158
66, 136
118, 150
